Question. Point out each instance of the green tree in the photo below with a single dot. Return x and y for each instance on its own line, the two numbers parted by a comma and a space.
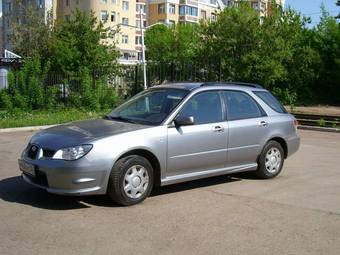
79, 43
327, 43
32, 33
171, 43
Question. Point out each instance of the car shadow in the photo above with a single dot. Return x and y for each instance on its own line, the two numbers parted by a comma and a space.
16, 190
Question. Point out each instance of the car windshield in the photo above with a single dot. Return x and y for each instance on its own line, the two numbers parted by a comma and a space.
150, 107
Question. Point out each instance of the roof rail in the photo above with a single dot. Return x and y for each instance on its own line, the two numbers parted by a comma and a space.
252, 85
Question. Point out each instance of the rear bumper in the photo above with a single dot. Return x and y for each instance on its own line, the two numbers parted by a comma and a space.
293, 144
68, 178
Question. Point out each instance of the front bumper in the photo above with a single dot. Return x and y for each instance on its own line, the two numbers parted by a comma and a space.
69, 177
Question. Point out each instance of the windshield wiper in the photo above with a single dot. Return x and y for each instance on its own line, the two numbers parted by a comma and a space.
109, 117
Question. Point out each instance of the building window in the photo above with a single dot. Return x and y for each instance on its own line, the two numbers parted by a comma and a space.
189, 10
140, 55
172, 8
213, 17
125, 5
203, 14
113, 16
161, 8
103, 1
67, 17
125, 21
67, 2
77, 2
140, 7
138, 40
103, 15
9, 7
125, 39
172, 23
113, 1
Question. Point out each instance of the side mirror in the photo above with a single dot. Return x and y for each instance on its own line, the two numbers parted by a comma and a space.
184, 121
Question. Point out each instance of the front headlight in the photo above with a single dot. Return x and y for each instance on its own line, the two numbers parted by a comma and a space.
72, 153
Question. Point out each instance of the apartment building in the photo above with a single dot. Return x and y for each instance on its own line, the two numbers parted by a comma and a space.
12, 12
123, 14
192, 11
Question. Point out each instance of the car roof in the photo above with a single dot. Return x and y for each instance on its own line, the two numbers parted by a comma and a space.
196, 85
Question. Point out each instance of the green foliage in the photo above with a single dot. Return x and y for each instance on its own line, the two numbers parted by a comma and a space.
171, 44
327, 43
321, 122
32, 38
77, 45
19, 118
73, 49
280, 52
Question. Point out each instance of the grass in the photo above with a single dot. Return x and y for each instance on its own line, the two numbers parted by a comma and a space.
47, 117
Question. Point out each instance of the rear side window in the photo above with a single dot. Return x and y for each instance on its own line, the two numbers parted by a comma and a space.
240, 106
271, 101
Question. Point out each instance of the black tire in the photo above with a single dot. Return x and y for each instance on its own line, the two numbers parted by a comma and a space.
117, 180
262, 170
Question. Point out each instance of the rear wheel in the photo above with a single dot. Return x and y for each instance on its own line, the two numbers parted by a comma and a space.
131, 180
271, 160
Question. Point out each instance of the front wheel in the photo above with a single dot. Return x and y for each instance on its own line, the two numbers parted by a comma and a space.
131, 180
270, 161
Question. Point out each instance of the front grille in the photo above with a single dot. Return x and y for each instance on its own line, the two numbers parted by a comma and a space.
48, 153
33, 151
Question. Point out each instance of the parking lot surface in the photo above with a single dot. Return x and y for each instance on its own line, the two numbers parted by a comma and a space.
296, 213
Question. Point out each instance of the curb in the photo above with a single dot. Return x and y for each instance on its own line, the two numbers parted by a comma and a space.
322, 129
22, 129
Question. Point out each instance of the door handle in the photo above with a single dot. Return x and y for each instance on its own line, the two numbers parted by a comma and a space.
218, 129
263, 123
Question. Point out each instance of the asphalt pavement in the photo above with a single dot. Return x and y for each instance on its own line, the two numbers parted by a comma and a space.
295, 213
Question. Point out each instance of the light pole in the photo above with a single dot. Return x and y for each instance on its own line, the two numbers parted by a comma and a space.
143, 44
143, 47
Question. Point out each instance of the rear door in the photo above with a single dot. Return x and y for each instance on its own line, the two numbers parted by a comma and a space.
201, 146
248, 126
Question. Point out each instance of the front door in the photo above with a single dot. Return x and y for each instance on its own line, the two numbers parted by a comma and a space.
203, 145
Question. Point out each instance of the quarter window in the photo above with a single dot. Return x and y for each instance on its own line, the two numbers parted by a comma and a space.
241, 106
270, 100
205, 107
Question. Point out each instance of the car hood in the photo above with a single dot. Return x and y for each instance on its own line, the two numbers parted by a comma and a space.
80, 132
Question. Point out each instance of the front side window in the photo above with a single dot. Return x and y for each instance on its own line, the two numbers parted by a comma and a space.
150, 107
241, 106
205, 107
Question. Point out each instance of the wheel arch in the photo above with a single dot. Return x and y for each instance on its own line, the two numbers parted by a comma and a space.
151, 157
282, 142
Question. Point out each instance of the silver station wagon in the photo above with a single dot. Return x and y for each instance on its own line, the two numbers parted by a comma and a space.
167, 134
